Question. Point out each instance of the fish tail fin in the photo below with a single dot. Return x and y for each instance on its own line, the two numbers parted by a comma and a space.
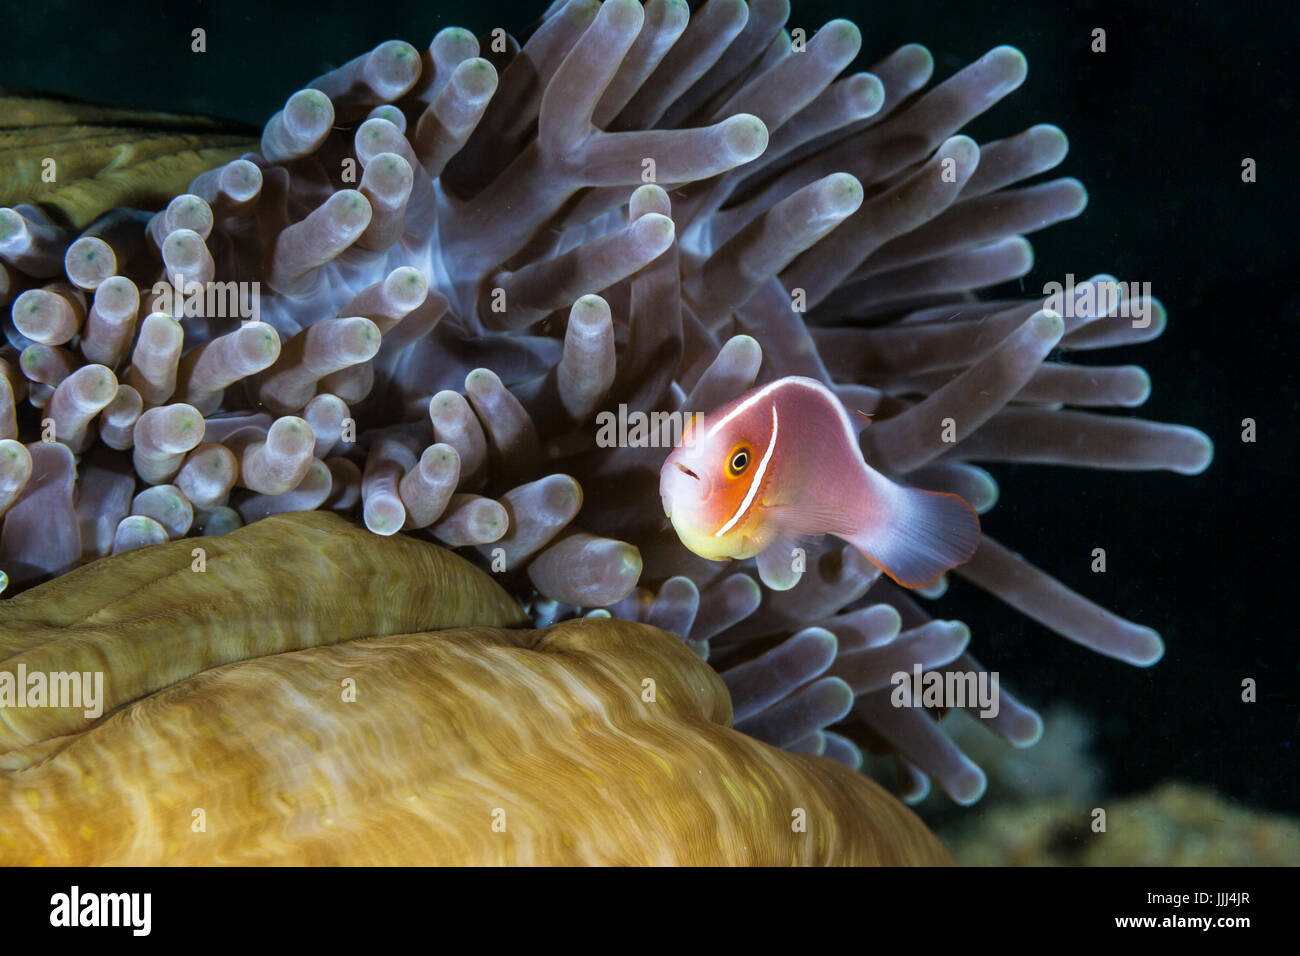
920, 535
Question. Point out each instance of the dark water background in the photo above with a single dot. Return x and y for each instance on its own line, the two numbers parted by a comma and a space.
1158, 127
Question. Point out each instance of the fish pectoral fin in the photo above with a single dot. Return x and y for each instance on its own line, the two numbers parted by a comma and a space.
813, 519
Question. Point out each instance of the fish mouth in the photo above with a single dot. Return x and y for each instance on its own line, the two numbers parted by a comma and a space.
674, 489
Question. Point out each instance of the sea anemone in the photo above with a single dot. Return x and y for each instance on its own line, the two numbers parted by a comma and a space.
413, 302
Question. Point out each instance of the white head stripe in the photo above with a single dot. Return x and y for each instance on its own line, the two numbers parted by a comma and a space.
753, 486
743, 407
849, 431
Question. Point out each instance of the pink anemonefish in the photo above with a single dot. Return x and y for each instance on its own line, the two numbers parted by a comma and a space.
781, 464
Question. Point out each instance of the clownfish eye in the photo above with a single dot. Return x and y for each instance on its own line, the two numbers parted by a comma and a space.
738, 461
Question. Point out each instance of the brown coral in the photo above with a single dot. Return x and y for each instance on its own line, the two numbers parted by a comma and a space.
105, 157
285, 734
1176, 824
